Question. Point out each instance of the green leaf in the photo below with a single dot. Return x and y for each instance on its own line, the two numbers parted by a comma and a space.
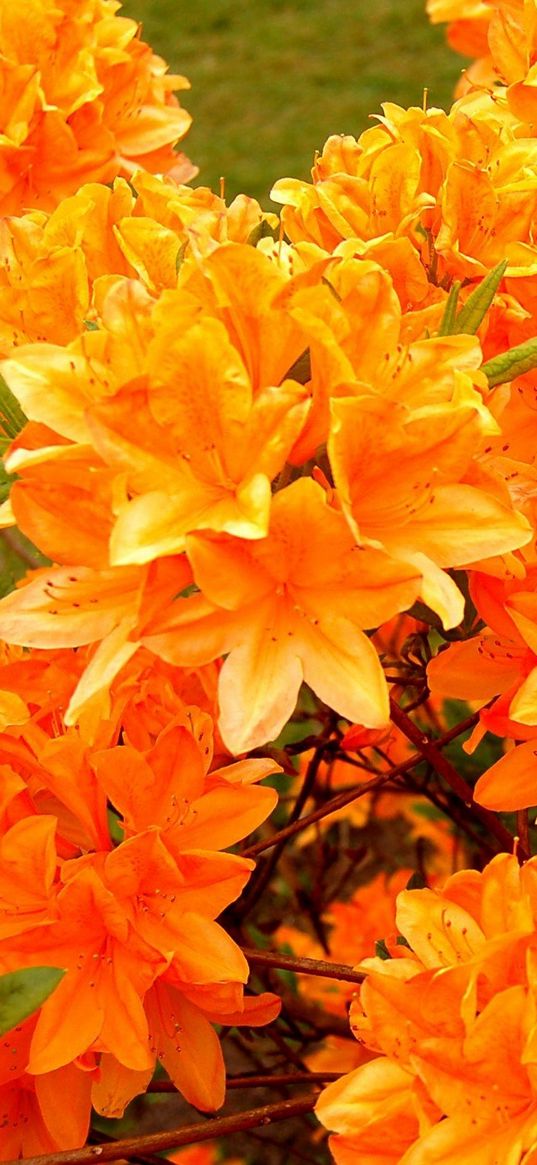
262, 230
180, 257
471, 316
12, 418
447, 325
22, 992
12, 421
17, 555
381, 950
515, 362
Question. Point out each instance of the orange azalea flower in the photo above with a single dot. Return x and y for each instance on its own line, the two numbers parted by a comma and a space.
288, 607
31, 1119
170, 786
84, 99
70, 607
447, 1015
503, 663
53, 267
468, 26
428, 517
185, 462
110, 968
120, 918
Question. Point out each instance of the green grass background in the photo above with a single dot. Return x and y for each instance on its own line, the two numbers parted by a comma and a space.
271, 79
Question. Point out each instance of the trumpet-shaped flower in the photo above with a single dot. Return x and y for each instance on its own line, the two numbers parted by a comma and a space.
288, 607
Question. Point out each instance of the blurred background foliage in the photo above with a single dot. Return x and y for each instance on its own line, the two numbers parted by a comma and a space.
271, 81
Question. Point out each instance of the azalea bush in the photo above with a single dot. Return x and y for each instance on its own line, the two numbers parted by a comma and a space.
268, 680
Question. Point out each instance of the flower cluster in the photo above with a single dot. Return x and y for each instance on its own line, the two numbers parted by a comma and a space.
451, 1017
258, 452
83, 99
123, 898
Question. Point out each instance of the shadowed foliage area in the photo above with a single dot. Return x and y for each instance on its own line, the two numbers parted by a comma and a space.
271, 81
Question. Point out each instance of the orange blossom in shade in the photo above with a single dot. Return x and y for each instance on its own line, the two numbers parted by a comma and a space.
84, 98
286, 608
453, 1022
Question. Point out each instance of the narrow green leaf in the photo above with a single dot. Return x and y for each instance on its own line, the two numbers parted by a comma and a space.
471, 316
12, 418
447, 325
180, 257
381, 950
508, 365
22, 992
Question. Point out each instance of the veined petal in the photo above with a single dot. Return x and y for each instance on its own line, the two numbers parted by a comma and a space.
187, 1046
524, 705
440, 932
67, 1123
260, 679
343, 668
511, 783
475, 669
68, 607
437, 589
223, 816
156, 524
462, 525
117, 1086
111, 655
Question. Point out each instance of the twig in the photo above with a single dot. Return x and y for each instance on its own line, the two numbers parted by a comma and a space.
302, 966
272, 1080
429, 750
187, 1135
350, 795
263, 874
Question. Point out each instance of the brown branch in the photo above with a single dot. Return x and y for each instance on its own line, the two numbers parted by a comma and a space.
350, 795
97, 1137
209, 1130
263, 873
272, 1080
302, 966
430, 751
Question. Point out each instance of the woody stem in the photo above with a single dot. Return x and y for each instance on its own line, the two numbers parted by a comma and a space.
187, 1135
430, 751
351, 795
302, 966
